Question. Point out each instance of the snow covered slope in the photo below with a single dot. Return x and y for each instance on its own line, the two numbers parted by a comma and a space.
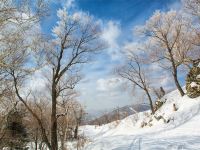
172, 129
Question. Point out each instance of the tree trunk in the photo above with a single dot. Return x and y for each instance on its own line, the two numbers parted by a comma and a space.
36, 139
76, 132
150, 101
44, 137
178, 85
174, 68
54, 143
62, 140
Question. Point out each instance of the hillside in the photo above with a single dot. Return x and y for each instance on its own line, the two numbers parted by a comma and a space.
171, 130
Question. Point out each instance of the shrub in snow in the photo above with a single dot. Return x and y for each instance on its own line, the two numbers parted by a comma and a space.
143, 124
158, 104
193, 82
150, 122
174, 107
81, 141
158, 118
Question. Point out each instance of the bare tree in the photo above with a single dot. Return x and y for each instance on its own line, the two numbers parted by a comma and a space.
170, 38
65, 116
134, 72
18, 71
76, 38
192, 6
34, 114
79, 114
17, 17
6, 106
159, 92
19, 50
41, 107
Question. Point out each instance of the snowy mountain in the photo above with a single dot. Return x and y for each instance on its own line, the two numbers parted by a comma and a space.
174, 126
119, 113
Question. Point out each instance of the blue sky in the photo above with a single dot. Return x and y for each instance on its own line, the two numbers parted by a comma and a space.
127, 12
101, 89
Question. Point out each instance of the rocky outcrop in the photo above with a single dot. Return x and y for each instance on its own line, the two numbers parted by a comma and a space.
193, 81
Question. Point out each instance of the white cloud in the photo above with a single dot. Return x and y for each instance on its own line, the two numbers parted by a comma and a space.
160, 77
133, 47
111, 33
176, 5
83, 17
69, 3
66, 3
109, 84
155, 68
37, 82
166, 81
106, 93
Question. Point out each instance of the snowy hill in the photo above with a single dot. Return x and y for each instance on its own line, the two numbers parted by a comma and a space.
167, 129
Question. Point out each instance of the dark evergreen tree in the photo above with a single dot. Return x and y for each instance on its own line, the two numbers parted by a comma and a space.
15, 132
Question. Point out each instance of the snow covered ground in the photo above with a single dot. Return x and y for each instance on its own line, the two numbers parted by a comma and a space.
175, 130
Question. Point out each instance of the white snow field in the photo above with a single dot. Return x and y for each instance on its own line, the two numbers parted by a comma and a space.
176, 130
